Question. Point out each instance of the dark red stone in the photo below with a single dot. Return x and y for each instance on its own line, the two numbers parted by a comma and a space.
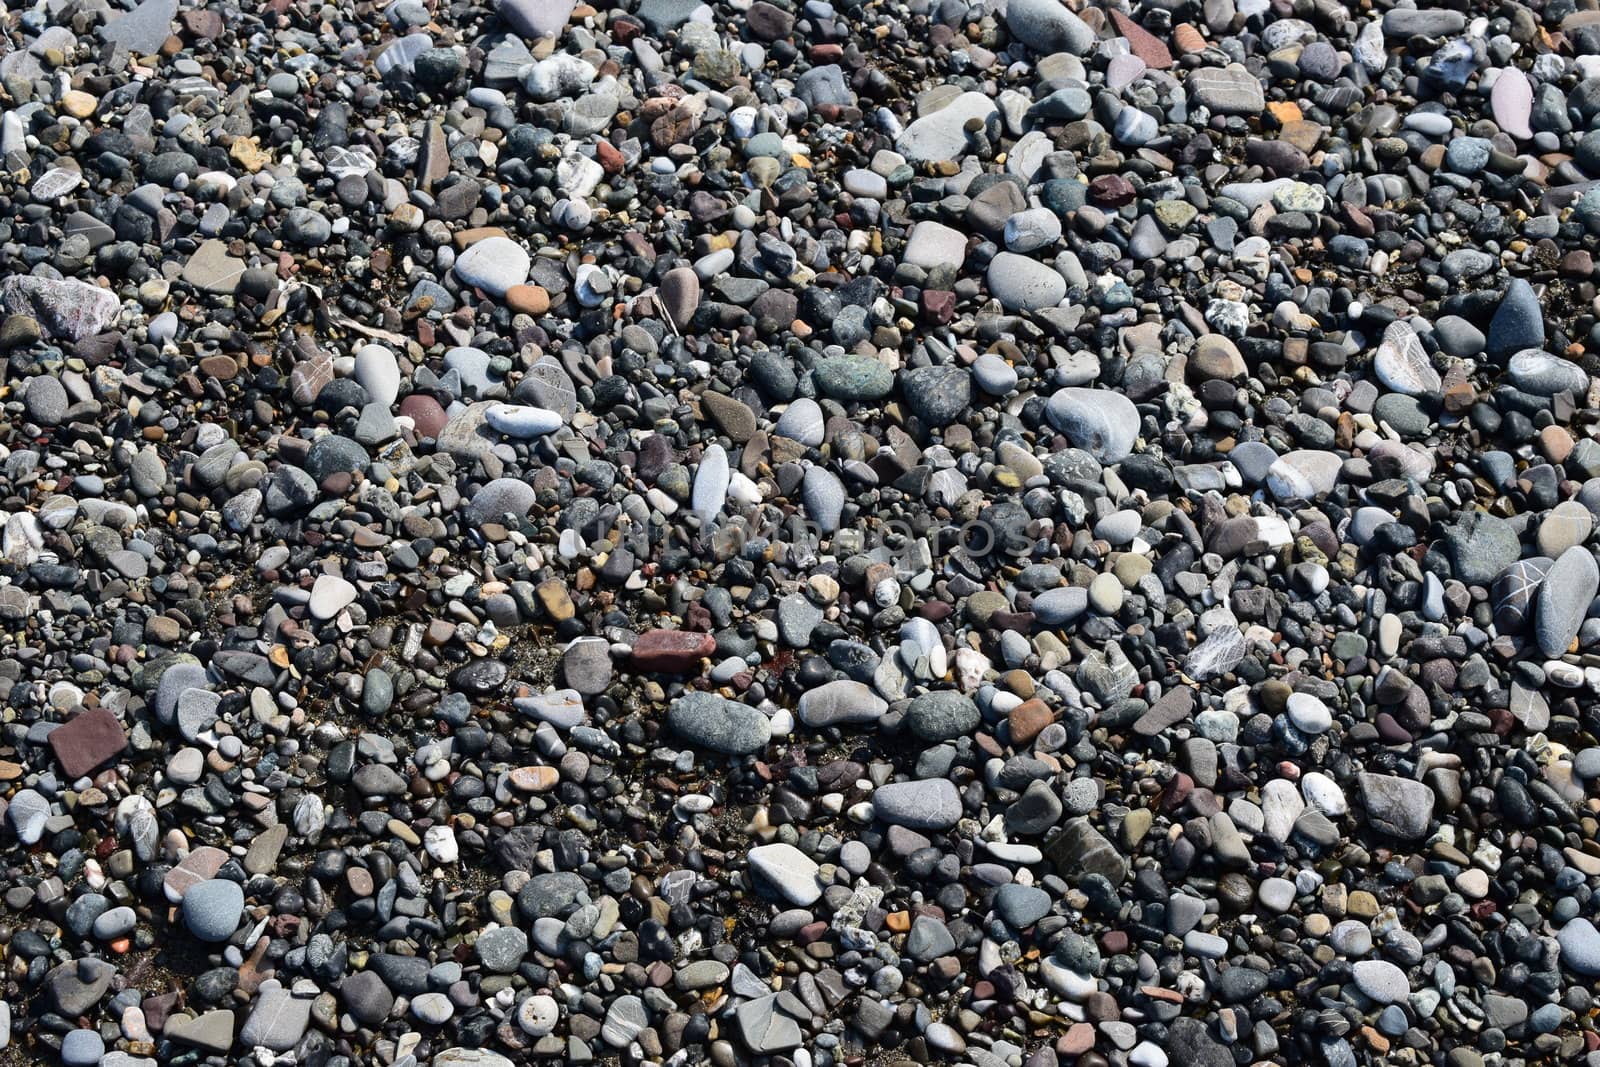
1177, 792
425, 413
202, 25
672, 651
1144, 44
1021, 621
610, 160
1112, 190
938, 306
625, 28
88, 741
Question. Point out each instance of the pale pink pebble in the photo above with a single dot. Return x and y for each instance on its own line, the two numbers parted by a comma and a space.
1123, 71
1512, 101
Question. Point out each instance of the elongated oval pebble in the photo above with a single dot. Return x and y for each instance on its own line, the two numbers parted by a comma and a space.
711, 482
1511, 99
522, 420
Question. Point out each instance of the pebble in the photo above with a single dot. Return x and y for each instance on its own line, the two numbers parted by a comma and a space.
932, 244
941, 716
1580, 946
927, 804
82, 1048
718, 724
1020, 906
538, 1015
1565, 596
824, 497
840, 702
994, 375
212, 908
1309, 715
1518, 321
536, 18
1402, 363
788, 871
1021, 283
46, 400
521, 420
802, 421
331, 595
1100, 422
1048, 27
494, 264
1381, 981
942, 134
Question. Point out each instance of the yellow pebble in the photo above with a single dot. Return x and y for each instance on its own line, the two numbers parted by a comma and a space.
78, 104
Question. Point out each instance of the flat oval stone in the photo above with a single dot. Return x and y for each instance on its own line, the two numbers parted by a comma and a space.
927, 804
1511, 99
1545, 374
494, 265
379, 373
718, 724
1022, 283
710, 493
840, 702
789, 871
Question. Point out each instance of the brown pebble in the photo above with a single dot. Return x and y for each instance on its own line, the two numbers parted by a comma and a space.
528, 299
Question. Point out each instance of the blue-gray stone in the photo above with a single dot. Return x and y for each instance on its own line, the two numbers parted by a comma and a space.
1565, 596
211, 909
721, 725
1518, 323
144, 29
1020, 906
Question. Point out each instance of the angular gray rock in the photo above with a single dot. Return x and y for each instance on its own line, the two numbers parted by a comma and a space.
68, 310
1400, 807
143, 30
1078, 850
536, 18
787, 870
942, 135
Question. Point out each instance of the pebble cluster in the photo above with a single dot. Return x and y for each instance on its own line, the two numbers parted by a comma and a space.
811, 533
